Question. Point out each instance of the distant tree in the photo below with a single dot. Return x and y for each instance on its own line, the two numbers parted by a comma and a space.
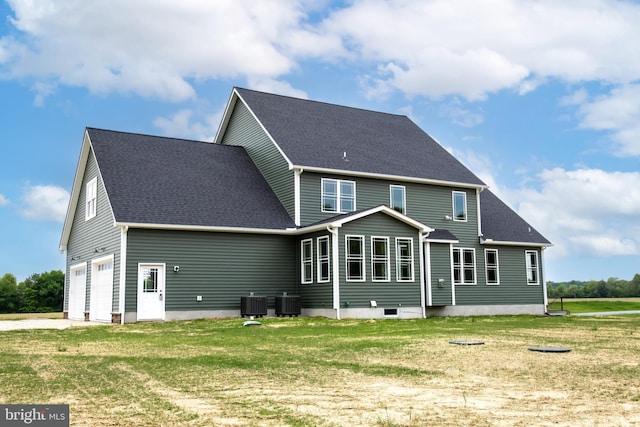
42, 293
8, 294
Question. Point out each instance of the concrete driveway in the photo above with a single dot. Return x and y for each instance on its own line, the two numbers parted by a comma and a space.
11, 325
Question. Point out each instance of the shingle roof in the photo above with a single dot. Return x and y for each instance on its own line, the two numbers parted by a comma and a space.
501, 224
441, 234
316, 134
157, 180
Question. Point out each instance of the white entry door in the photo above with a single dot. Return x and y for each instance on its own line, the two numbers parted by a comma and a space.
101, 290
77, 291
151, 281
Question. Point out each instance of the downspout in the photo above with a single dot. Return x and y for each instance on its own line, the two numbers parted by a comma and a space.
453, 282
123, 271
422, 278
478, 191
336, 269
544, 279
296, 195
427, 262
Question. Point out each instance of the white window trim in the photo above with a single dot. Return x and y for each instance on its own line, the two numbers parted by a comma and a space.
91, 199
348, 258
338, 195
320, 259
453, 205
486, 268
529, 267
399, 260
462, 267
404, 197
304, 262
386, 259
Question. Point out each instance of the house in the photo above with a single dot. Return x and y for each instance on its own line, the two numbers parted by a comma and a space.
359, 213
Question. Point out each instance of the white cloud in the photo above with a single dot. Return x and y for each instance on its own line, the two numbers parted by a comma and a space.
182, 125
443, 47
153, 48
583, 211
619, 113
3, 201
45, 203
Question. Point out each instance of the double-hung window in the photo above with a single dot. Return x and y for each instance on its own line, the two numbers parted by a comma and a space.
306, 255
404, 259
338, 195
380, 259
354, 254
459, 206
464, 266
91, 199
397, 198
533, 277
491, 266
323, 259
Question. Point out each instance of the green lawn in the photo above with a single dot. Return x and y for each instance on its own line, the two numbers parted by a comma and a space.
320, 372
589, 305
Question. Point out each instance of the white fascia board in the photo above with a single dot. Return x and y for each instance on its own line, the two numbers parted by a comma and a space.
384, 209
75, 192
226, 116
389, 177
507, 243
213, 229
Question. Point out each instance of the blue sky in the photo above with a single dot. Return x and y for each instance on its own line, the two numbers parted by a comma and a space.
541, 99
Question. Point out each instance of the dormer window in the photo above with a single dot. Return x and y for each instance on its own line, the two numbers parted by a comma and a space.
338, 195
459, 206
91, 198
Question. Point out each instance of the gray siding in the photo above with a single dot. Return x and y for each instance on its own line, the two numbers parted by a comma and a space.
428, 204
245, 131
221, 267
441, 269
98, 232
387, 294
513, 287
315, 295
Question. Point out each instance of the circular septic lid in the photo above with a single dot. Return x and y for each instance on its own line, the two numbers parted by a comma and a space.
464, 342
551, 349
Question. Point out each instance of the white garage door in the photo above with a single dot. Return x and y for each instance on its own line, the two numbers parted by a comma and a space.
101, 289
77, 291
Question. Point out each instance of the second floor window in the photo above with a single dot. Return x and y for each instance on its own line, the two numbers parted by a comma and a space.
459, 206
338, 195
397, 198
91, 198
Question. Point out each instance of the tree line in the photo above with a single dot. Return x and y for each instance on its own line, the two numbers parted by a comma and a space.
39, 293
612, 288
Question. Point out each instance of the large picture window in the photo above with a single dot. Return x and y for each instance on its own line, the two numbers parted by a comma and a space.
397, 198
459, 206
323, 259
464, 266
306, 255
380, 259
91, 199
491, 266
338, 195
404, 259
354, 253
533, 276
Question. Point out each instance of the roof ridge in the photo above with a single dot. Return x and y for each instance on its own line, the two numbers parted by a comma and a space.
147, 135
332, 104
